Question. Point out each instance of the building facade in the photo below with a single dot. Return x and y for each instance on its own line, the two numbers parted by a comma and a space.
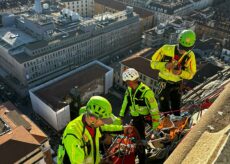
39, 49
83, 7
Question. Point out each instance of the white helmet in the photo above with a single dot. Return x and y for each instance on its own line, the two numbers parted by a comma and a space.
130, 74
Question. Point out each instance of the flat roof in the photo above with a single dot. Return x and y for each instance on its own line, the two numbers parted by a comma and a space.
120, 6
14, 37
53, 94
141, 63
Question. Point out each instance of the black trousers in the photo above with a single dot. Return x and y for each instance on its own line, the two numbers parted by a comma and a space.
170, 98
139, 124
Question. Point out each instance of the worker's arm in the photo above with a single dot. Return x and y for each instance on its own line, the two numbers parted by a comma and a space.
153, 108
112, 129
156, 60
74, 148
124, 104
190, 69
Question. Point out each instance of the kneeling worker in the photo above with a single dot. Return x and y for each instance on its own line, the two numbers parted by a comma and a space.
80, 140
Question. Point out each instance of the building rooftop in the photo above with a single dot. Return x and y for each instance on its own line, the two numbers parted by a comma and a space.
207, 44
63, 32
54, 93
13, 118
204, 71
23, 134
167, 6
120, 6
141, 63
17, 145
11, 37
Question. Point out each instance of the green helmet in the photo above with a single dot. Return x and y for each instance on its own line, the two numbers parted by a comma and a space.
100, 107
187, 38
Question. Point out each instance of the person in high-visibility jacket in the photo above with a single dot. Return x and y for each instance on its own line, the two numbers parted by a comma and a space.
80, 140
140, 100
175, 63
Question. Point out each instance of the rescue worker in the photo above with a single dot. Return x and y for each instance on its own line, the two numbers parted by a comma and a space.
106, 134
140, 100
80, 140
175, 63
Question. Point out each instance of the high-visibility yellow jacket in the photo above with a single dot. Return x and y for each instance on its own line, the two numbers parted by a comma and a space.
166, 54
141, 102
79, 145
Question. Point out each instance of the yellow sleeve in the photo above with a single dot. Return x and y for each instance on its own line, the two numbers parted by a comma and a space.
153, 108
124, 104
111, 128
190, 69
74, 149
156, 60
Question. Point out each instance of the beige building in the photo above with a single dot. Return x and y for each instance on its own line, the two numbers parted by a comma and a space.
37, 51
21, 141
84, 8
147, 17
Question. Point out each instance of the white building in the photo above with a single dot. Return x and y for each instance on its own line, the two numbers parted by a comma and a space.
35, 49
50, 100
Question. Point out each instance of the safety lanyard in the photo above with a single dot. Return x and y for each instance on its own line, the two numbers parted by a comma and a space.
181, 58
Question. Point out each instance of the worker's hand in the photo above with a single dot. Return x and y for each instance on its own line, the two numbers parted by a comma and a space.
128, 130
169, 65
176, 72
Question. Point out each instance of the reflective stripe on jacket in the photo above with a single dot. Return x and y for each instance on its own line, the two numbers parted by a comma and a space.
164, 55
141, 102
